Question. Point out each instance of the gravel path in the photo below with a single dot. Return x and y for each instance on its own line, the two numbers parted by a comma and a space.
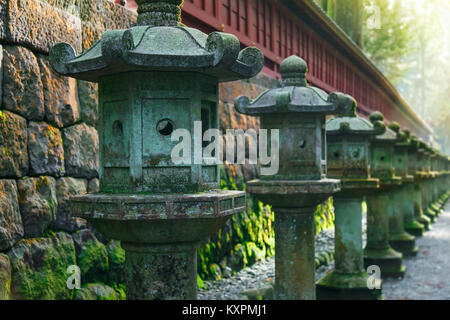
261, 274
427, 275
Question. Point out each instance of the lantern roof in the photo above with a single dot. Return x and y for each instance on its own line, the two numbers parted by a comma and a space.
389, 136
351, 124
403, 136
294, 95
159, 42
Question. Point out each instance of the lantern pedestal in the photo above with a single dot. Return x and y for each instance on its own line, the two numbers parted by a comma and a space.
427, 210
399, 239
294, 203
161, 272
378, 250
160, 234
348, 280
411, 224
417, 198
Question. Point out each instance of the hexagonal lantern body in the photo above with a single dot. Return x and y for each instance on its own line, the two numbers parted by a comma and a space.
348, 155
298, 112
155, 78
139, 112
382, 153
348, 159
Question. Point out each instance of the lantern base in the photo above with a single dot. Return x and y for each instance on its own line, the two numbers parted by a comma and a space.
293, 193
388, 260
415, 228
337, 286
404, 243
430, 214
358, 187
160, 234
161, 272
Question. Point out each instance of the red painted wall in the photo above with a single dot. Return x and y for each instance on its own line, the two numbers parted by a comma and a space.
279, 33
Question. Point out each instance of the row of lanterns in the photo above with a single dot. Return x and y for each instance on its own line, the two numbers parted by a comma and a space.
159, 76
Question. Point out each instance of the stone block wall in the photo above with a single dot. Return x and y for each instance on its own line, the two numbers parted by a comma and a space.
49, 147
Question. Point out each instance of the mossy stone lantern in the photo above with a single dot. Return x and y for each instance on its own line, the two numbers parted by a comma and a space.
434, 156
425, 167
348, 145
402, 206
442, 184
415, 168
378, 251
298, 111
155, 78
414, 223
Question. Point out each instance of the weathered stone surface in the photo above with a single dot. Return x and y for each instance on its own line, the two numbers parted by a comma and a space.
94, 185
46, 150
60, 96
107, 14
66, 187
116, 256
5, 277
81, 238
11, 229
37, 200
22, 86
39, 267
39, 25
93, 261
229, 117
1, 65
81, 151
87, 93
97, 291
3, 10
13, 145
91, 32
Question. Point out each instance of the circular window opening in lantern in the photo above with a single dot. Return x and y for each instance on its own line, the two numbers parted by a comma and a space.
165, 127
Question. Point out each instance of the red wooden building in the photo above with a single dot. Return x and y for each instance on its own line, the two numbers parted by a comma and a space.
280, 28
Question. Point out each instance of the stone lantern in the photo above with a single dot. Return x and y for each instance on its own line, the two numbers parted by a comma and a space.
415, 154
348, 160
399, 239
298, 111
442, 183
425, 166
415, 224
378, 251
434, 157
155, 78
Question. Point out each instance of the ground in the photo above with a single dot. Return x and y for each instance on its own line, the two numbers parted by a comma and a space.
427, 276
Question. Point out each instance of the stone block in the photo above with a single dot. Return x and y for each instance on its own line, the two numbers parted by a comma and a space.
60, 96
11, 228
39, 268
45, 148
66, 187
81, 151
22, 85
13, 145
39, 25
88, 95
5, 277
37, 200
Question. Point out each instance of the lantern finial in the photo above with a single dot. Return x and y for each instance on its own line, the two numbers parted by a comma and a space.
293, 72
159, 12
